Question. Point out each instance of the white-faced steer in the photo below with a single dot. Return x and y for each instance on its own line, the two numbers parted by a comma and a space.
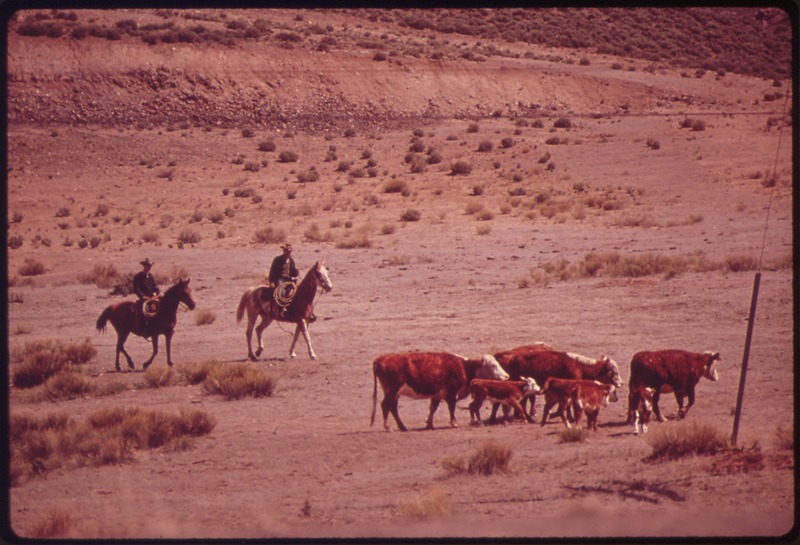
678, 369
427, 375
505, 392
540, 363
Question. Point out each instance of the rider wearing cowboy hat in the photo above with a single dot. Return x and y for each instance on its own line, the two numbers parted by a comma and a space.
283, 275
146, 289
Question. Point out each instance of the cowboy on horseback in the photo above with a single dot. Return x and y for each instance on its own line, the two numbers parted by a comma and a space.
282, 278
149, 296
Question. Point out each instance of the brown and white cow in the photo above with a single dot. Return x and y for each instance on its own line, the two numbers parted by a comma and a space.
505, 392
427, 375
583, 395
640, 404
679, 370
541, 363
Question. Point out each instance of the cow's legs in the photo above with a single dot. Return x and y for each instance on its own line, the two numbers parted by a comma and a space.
451, 406
475, 410
656, 410
434, 405
155, 351
516, 405
681, 411
389, 404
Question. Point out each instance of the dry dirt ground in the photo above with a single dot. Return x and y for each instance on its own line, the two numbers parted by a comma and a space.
305, 461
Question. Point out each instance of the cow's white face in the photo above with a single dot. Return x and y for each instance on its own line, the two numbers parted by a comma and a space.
491, 365
530, 386
711, 369
613, 368
612, 395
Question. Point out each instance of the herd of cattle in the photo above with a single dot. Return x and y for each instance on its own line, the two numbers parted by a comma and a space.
571, 383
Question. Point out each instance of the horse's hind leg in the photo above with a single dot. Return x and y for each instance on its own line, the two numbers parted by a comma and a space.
259, 330
153, 355
121, 349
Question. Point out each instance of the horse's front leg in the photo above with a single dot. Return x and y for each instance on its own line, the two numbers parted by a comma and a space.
302, 327
153, 355
168, 342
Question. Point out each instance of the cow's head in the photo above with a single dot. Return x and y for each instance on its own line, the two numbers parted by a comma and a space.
610, 371
642, 404
492, 367
710, 370
611, 394
530, 386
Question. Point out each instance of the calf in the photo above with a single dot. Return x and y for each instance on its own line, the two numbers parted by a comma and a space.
427, 375
641, 404
582, 395
506, 392
541, 362
677, 370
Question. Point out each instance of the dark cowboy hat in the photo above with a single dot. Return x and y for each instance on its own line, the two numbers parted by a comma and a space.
287, 246
146, 261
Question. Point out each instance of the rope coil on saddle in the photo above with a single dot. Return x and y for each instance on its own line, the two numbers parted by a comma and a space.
284, 293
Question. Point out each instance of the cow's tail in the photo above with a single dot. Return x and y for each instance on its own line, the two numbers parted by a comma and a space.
102, 320
374, 397
242, 306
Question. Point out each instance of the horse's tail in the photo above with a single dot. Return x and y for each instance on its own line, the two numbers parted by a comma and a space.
374, 396
103, 319
242, 305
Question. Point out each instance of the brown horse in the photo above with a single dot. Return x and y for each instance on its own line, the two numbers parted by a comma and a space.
123, 318
258, 302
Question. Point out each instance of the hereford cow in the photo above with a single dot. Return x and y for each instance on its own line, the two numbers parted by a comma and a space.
640, 403
505, 392
583, 395
540, 363
678, 370
434, 375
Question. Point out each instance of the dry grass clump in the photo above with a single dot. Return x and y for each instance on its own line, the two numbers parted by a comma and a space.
488, 458
237, 381
434, 504
613, 264
44, 359
108, 436
32, 267
685, 438
103, 276
58, 522
156, 377
574, 434
67, 384
196, 373
360, 238
204, 316
784, 438
269, 235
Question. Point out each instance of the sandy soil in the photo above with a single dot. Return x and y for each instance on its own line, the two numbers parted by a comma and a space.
305, 461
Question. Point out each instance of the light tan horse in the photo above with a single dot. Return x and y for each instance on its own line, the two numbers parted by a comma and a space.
258, 301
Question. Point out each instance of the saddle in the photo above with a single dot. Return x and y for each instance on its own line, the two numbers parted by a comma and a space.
279, 297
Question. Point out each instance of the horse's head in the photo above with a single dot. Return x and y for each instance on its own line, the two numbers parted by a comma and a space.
185, 293
323, 279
